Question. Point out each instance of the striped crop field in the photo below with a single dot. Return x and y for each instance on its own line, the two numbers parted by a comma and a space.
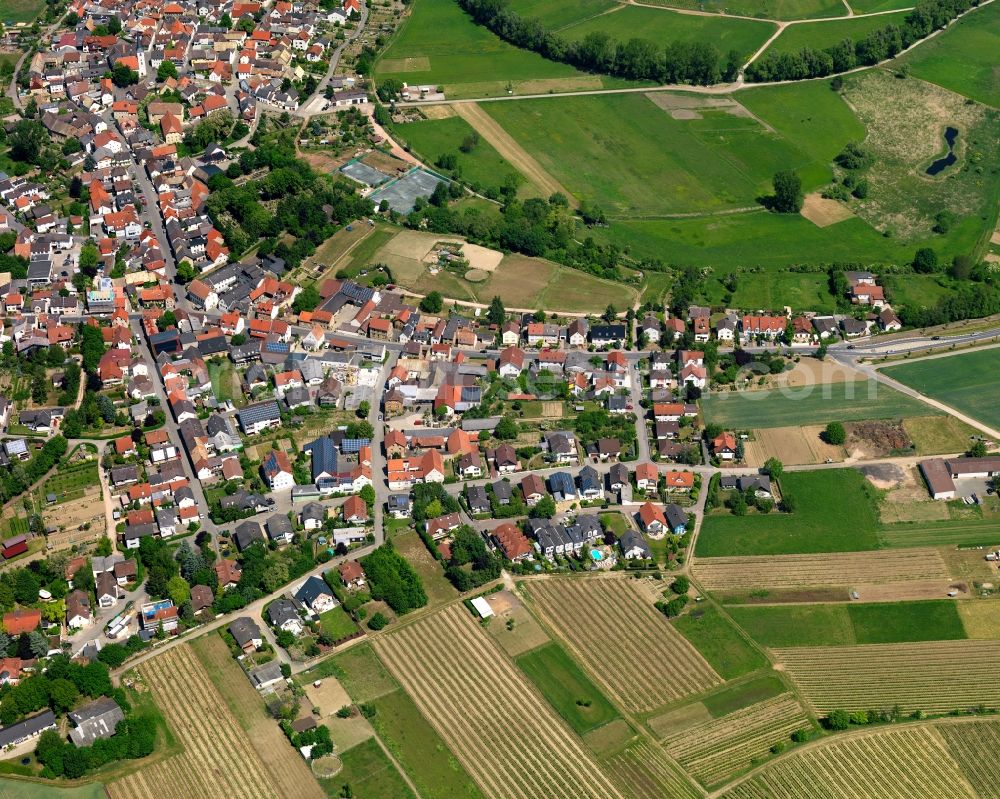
830, 569
629, 647
933, 676
218, 761
714, 751
647, 773
974, 746
907, 763
503, 732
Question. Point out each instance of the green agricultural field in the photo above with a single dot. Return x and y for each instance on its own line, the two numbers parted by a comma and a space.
737, 696
969, 533
834, 512
963, 58
968, 382
820, 35
875, 6
570, 692
663, 25
440, 45
557, 14
915, 289
723, 159
847, 624
721, 644
20, 10
765, 9
412, 741
369, 773
819, 404
758, 238
483, 167
420, 750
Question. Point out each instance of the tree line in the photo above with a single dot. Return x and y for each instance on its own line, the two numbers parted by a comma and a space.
697, 62
877, 46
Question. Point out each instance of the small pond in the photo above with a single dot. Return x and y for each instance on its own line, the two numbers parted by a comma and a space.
950, 134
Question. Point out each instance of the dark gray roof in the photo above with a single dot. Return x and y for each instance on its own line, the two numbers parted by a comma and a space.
244, 629
96, 720
27, 728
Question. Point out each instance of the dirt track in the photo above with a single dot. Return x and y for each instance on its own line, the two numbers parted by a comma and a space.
489, 129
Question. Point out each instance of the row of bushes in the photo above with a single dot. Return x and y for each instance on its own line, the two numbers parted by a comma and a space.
637, 59
876, 46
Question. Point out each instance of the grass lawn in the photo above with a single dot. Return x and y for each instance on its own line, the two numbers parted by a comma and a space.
968, 382
721, 160
818, 404
743, 694
820, 35
440, 45
775, 289
966, 533
483, 167
23, 789
369, 773
360, 672
570, 692
959, 58
616, 522
662, 26
721, 644
420, 750
337, 624
918, 289
69, 482
848, 624
835, 512
20, 10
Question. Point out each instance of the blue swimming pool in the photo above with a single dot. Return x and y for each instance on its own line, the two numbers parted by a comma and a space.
597, 555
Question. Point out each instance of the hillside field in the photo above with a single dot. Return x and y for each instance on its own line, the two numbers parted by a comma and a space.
968, 382
820, 35
440, 45
778, 9
662, 25
963, 58
721, 156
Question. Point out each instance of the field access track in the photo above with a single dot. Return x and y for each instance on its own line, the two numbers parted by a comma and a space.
719, 748
887, 764
933, 676
218, 761
504, 733
627, 645
831, 569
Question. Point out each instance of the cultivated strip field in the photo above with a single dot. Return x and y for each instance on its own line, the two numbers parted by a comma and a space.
290, 772
933, 676
507, 737
890, 764
717, 749
646, 771
629, 648
974, 746
836, 568
218, 760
